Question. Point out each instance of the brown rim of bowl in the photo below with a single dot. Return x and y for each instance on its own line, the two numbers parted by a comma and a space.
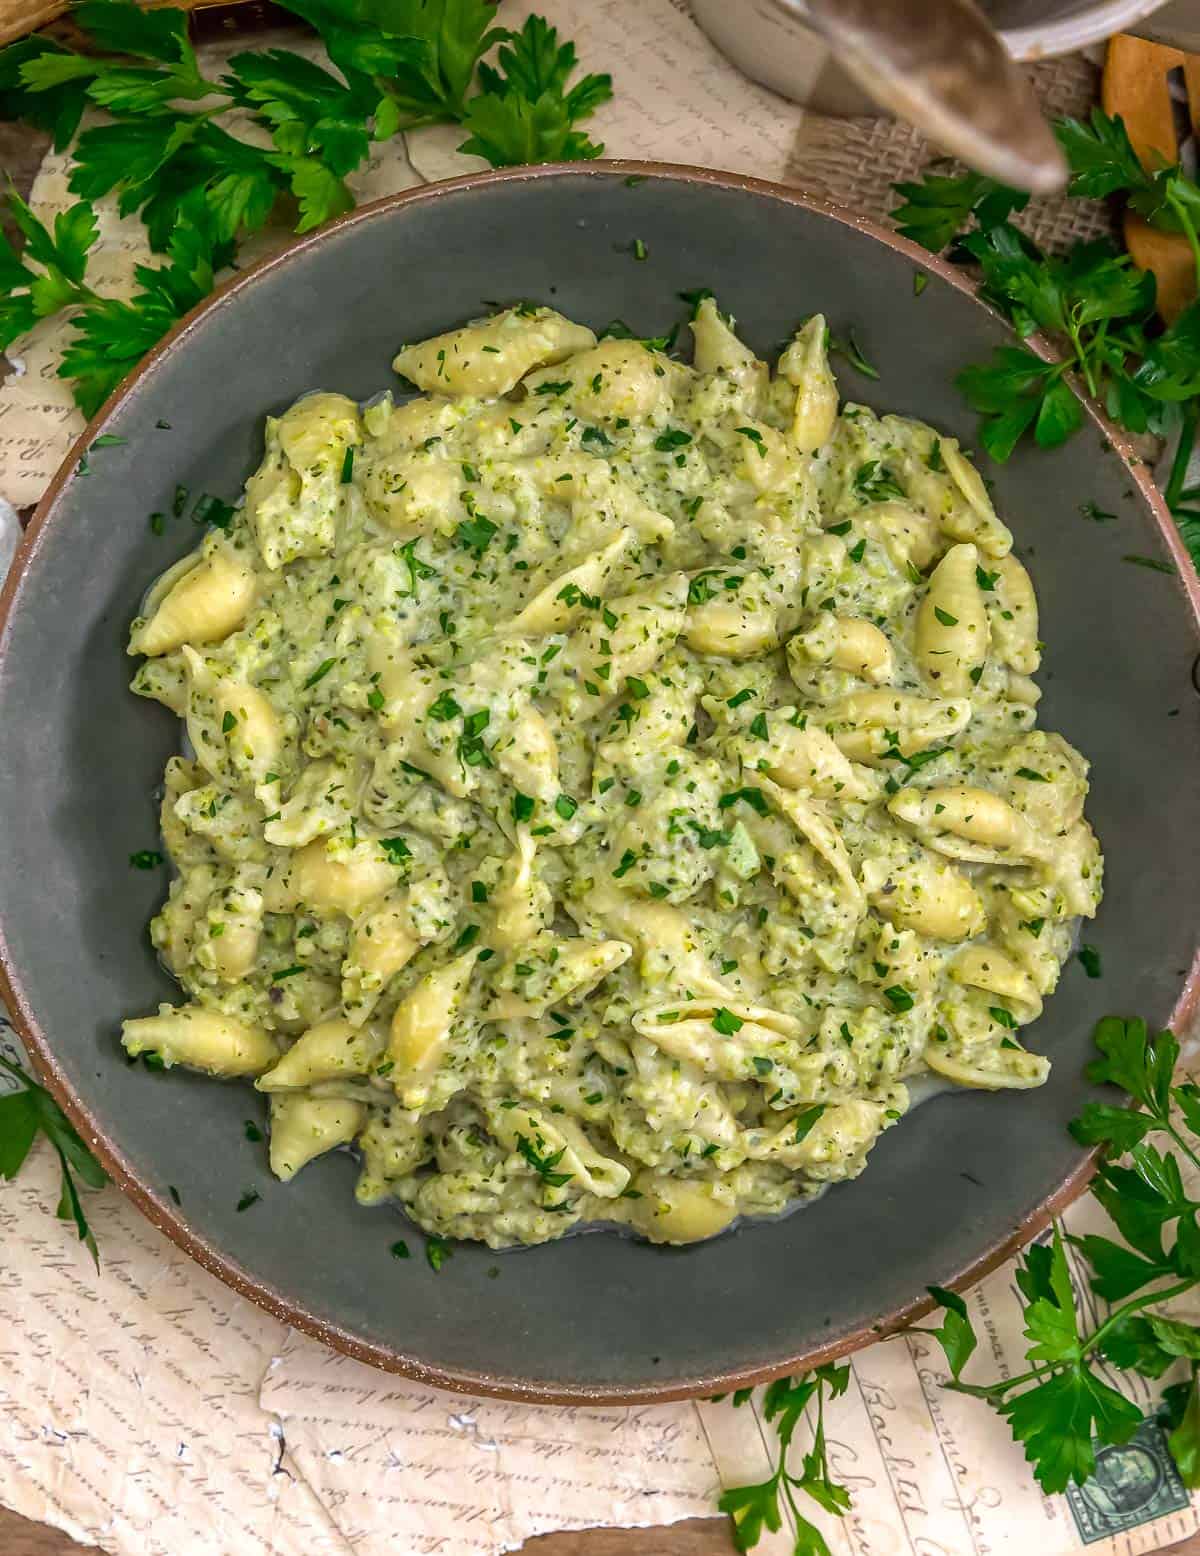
167, 1218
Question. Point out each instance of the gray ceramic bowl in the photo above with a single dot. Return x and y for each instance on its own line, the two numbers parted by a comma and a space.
962, 1183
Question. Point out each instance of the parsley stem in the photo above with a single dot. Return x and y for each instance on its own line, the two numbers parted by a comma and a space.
1182, 1143
993, 1391
1183, 454
1189, 229
1163, 1294
1081, 355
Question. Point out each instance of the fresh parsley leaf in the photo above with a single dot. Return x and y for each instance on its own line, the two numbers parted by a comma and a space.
1056, 1422
955, 1334
199, 187
1184, 1440
437, 1251
30, 1111
753, 1509
1089, 959
1061, 1408
938, 208
874, 482
1101, 156
476, 534
524, 114
53, 96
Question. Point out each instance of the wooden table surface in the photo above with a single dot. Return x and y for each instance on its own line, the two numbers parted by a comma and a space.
696, 1537
21, 151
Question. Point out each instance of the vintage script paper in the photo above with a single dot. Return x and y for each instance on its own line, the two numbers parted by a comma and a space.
933, 1473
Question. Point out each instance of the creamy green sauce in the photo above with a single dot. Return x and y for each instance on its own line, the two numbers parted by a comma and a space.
614, 783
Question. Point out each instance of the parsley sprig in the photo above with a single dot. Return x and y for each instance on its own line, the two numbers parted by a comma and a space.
1062, 1405
1090, 300
759, 1507
29, 1112
394, 65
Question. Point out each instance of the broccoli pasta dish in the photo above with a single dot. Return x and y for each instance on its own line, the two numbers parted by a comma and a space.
612, 788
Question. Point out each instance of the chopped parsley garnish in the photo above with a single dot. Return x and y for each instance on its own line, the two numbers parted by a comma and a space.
875, 483
899, 998
319, 673
852, 351
544, 1165
348, 467
725, 1022
921, 759
522, 806
674, 438
146, 859
476, 534
443, 708
1089, 960
253, 1133
806, 1120
755, 798
946, 619
755, 437
396, 849
399, 1250
416, 568
250, 1197
437, 1251
1034, 777
566, 806
211, 510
